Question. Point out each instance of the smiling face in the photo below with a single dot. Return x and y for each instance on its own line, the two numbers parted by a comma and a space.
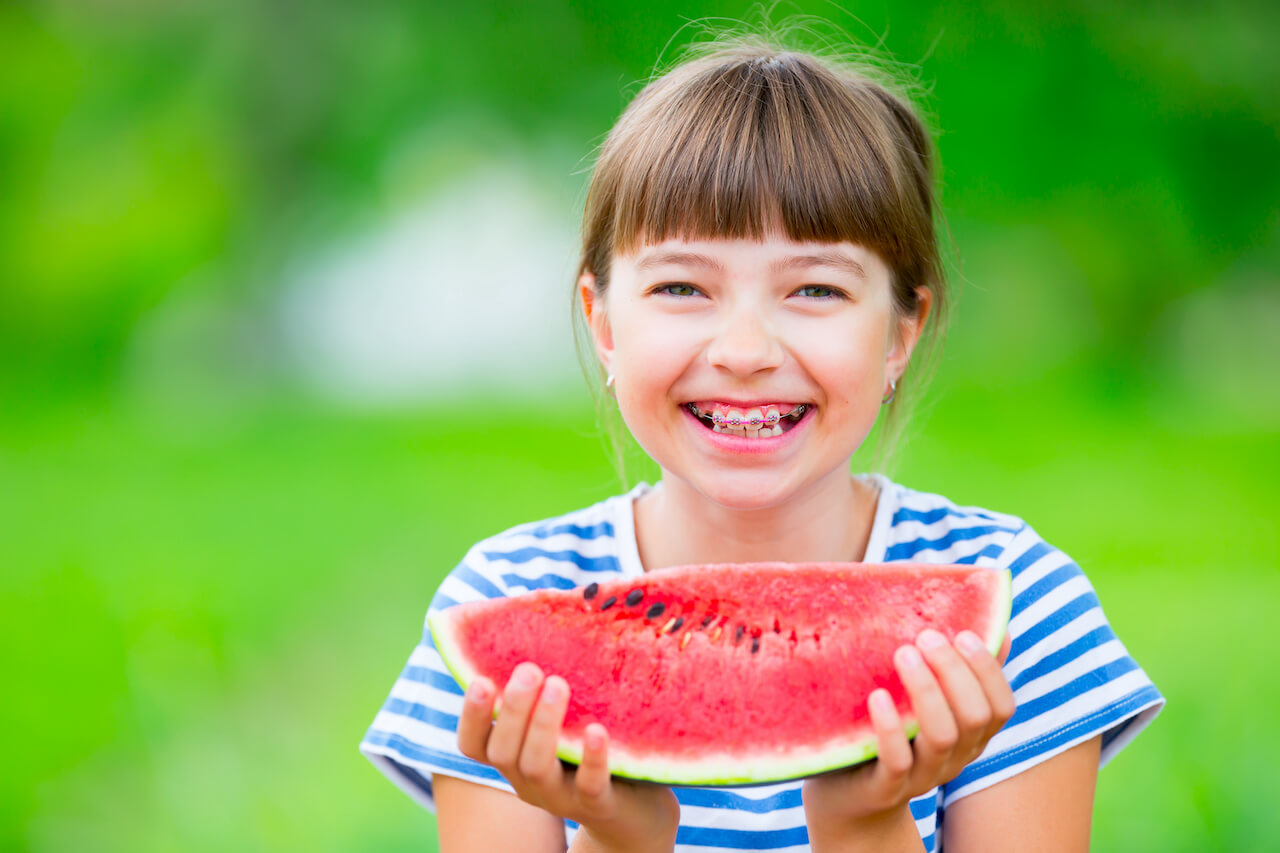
801, 337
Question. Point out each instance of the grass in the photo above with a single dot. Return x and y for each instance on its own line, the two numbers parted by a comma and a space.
202, 613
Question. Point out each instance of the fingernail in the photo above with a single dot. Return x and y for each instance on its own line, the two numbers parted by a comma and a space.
478, 692
524, 677
909, 657
552, 692
968, 641
882, 701
930, 639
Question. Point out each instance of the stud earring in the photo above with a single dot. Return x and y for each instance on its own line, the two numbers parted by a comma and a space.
893, 391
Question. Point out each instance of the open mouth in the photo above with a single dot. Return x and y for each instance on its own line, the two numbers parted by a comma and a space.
754, 422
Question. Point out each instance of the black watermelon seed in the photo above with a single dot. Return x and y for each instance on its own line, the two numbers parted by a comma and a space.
591, 590
633, 597
755, 645
777, 628
737, 635
655, 611
609, 602
711, 618
675, 626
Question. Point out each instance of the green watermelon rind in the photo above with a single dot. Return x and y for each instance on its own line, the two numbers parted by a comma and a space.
728, 771
1002, 609
720, 770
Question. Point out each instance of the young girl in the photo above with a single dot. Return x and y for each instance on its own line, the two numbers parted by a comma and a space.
759, 263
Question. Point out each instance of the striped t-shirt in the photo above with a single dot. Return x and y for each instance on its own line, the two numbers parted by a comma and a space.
1071, 676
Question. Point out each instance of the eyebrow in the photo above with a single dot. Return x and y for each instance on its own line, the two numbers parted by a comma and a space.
833, 259
686, 259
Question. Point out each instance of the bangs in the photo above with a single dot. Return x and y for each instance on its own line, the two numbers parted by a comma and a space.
767, 145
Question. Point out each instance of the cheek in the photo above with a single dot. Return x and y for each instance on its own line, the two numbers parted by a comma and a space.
651, 350
846, 359
649, 359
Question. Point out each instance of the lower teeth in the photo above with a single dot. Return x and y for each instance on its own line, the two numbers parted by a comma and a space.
764, 432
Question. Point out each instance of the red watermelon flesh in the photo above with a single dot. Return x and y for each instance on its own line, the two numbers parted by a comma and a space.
726, 674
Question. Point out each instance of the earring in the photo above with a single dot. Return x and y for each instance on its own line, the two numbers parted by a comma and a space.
893, 390
608, 382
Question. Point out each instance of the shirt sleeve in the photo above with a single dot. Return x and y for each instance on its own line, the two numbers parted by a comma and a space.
415, 734
1071, 676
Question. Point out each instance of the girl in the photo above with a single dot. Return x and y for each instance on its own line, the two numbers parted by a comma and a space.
758, 243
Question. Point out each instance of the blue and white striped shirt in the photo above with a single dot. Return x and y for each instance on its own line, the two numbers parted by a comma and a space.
1071, 676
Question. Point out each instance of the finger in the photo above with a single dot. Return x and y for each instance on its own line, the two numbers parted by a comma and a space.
592, 777
937, 735
964, 694
538, 762
991, 677
894, 758
513, 718
476, 720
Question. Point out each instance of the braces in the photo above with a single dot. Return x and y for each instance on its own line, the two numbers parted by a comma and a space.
749, 423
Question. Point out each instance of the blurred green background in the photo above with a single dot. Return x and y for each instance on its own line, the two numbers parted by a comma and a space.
283, 300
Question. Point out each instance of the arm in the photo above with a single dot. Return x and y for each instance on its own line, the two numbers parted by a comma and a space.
1048, 807
474, 817
1045, 809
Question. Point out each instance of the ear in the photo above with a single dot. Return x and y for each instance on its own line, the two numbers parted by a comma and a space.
597, 319
907, 335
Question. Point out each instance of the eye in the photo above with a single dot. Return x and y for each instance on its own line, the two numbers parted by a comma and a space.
821, 291
676, 288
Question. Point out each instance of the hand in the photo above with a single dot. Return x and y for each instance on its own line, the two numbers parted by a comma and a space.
522, 746
960, 698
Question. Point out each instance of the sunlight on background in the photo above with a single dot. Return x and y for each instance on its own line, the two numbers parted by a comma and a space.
284, 328
455, 292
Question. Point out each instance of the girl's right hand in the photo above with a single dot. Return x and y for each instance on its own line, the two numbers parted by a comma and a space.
521, 745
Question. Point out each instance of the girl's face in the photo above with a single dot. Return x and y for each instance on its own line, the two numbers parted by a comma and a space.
708, 338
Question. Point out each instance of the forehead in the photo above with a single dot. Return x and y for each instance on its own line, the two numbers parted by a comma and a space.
776, 255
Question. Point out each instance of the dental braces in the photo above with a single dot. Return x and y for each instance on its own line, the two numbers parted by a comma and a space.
768, 420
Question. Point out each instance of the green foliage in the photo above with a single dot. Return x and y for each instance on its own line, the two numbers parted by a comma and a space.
144, 143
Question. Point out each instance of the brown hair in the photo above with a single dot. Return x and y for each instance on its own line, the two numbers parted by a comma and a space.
748, 139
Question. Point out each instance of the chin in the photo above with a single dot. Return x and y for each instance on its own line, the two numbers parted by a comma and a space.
745, 493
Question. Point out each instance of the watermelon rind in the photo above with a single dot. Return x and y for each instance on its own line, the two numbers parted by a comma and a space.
1001, 610
725, 770
440, 625
711, 769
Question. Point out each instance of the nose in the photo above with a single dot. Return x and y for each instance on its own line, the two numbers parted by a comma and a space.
745, 345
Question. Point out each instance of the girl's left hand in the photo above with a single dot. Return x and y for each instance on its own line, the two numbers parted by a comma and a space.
960, 698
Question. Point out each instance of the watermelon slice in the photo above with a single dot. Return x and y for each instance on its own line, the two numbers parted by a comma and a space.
726, 674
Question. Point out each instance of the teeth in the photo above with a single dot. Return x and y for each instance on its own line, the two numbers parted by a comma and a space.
757, 422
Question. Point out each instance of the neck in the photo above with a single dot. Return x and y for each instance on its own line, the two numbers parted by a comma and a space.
828, 522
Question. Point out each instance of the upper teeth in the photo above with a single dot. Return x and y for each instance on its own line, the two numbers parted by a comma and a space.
753, 421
